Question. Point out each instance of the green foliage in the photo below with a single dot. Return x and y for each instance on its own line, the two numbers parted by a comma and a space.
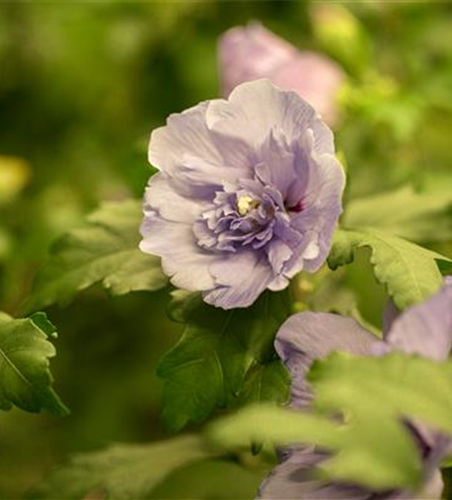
207, 479
404, 212
25, 379
122, 471
392, 385
367, 450
409, 272
373, 446
104, 250
179, 468
224, 358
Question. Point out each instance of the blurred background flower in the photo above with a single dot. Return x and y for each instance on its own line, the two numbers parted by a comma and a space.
252, 52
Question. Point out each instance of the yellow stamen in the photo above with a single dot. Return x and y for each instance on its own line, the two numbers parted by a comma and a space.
245, 204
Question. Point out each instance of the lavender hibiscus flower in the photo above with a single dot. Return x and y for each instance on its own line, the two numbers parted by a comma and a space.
248, 194
425, 330
251, 52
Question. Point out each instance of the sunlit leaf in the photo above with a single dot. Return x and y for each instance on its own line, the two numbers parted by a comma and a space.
207, 479
405, 213
372, 446
370, 450
104, 250
409, 272
123, 471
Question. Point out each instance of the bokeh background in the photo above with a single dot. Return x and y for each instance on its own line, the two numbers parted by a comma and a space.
82, 84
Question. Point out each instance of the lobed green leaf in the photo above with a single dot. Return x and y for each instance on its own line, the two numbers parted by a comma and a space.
25, 378
371, 445
224, 358
409, 272
105, 250
405, 213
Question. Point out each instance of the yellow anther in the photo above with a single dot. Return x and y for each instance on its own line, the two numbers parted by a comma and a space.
245, 204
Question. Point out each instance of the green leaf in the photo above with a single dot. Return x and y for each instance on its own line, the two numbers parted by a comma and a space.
25, 379
121, 471
398, 384
409, 272
372, 445
207, 479
379, 452
104, 250
424, 216
224, 358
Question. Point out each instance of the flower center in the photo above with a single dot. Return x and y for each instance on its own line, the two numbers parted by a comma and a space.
245, 204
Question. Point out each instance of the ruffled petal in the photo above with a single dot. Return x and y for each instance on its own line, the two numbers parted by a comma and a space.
182, 259
282, 109
185, 133
309, 336
164, 197
239, 280
425, 329
185, 146
295, 479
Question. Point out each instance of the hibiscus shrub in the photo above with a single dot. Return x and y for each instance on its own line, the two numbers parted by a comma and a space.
310, 290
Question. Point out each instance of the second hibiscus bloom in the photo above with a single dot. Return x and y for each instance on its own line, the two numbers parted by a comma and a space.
248, 194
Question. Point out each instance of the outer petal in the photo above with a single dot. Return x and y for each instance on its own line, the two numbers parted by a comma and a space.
244, 116
389, 316
284, 109
308, 336
425, 329
182, 258
186, 143
295, 479
239, 280
184, 133
162, 195
322, 199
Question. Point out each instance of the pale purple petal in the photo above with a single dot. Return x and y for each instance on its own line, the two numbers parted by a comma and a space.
184, 135
284, 110
309, 336
390, 314
239, 280
295, 479
170, 204
425, 329
181, 259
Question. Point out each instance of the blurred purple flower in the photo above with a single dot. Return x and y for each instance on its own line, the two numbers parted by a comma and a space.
252, 52
425, 330
248, 194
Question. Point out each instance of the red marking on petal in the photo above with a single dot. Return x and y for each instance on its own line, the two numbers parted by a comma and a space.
298, 207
